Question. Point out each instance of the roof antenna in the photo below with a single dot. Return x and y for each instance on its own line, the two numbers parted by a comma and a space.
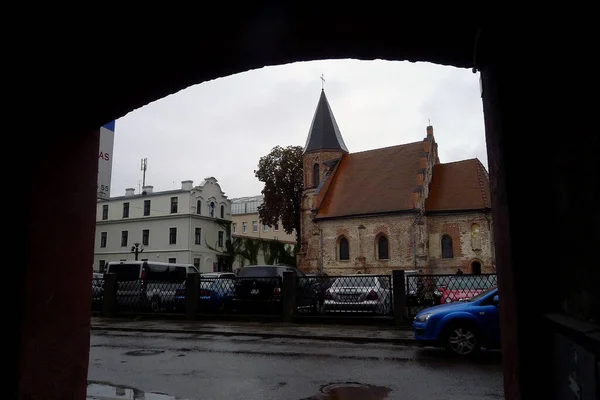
323, 82
429, 119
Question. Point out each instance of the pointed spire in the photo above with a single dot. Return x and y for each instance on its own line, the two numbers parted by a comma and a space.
324, 133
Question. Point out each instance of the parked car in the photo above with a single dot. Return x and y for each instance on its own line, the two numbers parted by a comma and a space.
259, 287
217, 290
149, 285
359, 293
463, 287
461, 327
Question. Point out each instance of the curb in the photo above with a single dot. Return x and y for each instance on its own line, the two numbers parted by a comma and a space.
357, 340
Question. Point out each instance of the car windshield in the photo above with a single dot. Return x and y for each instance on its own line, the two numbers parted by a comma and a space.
472, 282
258, 272
355, 281
482, 294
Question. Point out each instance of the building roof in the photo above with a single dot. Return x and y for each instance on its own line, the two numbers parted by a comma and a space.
461, 185
374, 181
324, 133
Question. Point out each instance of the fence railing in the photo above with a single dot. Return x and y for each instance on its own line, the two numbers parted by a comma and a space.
344, 295
424, 291
398, 295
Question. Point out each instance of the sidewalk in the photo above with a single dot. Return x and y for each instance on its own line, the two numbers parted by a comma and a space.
349, 333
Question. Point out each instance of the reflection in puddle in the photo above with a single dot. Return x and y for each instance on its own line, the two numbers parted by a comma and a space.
102, 391
351, 391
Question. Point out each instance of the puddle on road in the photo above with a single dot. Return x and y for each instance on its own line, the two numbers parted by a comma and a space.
351, 391
143, 352
104, 391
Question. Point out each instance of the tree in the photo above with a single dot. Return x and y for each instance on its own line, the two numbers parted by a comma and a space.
281, 172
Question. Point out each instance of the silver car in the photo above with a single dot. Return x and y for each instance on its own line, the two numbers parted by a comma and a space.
359, 293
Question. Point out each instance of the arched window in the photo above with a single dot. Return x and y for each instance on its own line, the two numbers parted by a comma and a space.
211, 209
316, 175
344, 249
475, 237
383, 252
447, 251
199, 207
222, 212
476, 268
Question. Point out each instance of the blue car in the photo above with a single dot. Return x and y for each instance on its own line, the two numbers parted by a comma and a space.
462, 327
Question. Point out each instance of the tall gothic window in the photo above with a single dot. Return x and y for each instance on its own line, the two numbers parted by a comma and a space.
383, 252
316, 175
447, 251
344, 249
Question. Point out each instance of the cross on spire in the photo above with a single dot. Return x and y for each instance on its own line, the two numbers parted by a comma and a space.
323, 82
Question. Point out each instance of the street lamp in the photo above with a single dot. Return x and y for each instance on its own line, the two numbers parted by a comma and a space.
137, 250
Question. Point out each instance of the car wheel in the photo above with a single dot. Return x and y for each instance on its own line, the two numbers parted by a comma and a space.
462, 340
155, 304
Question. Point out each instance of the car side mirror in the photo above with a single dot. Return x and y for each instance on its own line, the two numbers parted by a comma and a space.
496, 300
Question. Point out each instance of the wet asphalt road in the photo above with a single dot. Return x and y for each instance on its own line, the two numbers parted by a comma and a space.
191, 366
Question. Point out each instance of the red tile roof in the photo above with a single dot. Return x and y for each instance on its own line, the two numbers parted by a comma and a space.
374, 181
461, 185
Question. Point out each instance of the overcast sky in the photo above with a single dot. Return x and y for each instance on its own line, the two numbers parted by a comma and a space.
221, 128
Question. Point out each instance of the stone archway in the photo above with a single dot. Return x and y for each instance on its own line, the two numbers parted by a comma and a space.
475, 267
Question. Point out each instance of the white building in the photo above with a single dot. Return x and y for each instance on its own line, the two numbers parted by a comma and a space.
176, 226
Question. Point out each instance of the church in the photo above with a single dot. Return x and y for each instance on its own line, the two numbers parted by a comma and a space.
396, 207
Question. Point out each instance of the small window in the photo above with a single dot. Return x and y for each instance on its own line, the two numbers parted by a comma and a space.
244, 227
172, 260
222, 212
344, 249
234, 227
276, 227
198, 236
126, 210
174, 201
316, 175
265, 228
220, 238
197, 263
447, 250
105, 211
124, 237
383, 248
146, 237
254, 226
103, 239
172, 235
101, 265
211, 208
146, 207
199, 207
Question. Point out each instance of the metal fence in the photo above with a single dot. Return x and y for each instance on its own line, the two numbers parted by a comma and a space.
97, 293
142, 296
344, 295
424, 291
256, 295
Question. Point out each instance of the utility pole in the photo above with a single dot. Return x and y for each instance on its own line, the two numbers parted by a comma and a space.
143, 168
137, 250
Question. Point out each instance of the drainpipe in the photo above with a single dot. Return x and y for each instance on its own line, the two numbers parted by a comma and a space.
321, 250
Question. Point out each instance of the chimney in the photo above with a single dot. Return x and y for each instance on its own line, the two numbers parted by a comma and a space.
187, 185
147, 189
129, 192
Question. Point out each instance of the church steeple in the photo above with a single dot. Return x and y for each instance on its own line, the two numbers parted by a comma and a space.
324, 133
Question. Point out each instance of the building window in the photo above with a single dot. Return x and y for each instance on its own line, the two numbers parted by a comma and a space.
103, 239
211, 207
265, 228
199, 207
105, 211
102, 265
316, 175
146, 237
276, 228
172, 235
383, 248
344, 249
124, 236
174, 205
172, 260
244, 227
222, 212
126, 210
146, 207
197, 263
447, 251
220, 238
254, 226
198, 236
234, 227
475, 237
